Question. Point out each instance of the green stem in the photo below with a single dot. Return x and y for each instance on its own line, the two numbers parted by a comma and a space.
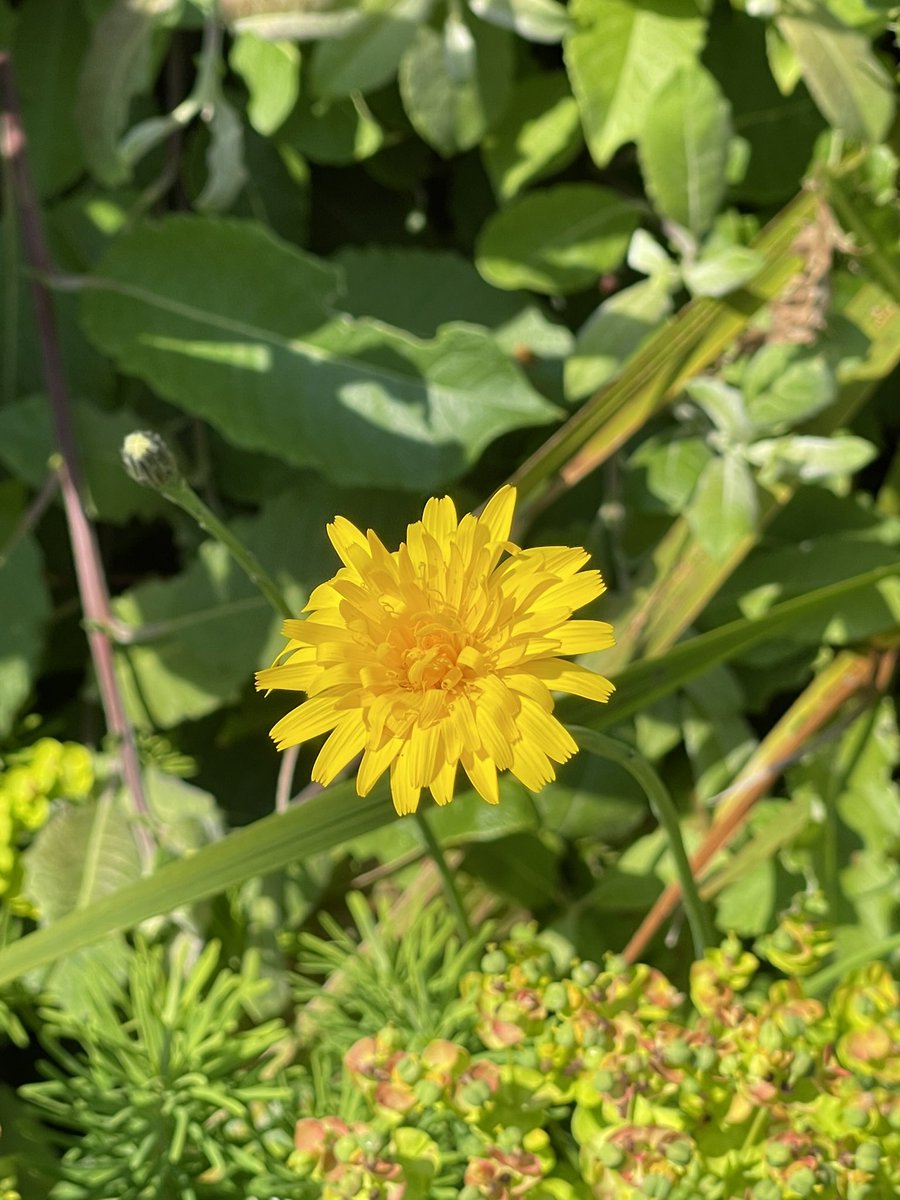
186, 498
666, 814
453, 896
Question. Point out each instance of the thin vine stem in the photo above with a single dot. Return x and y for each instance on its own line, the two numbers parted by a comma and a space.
453, 897
666, 814
182, 494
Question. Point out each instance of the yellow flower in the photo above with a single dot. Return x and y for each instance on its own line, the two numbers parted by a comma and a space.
439, 653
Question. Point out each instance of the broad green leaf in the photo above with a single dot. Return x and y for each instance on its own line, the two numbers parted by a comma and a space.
846, 80
782, 390
723, 404
271, 71
683, 150
24, 610
27, 442
429, 288
369, 55
538, 135
809, 459
557, 240
456, 82
288, 19
673, 466
331, 131
48, 47
319, 824
619, 56
535, 20
613, 333
720, 273
255, 348
116, 69
723, 508
523, 867
647, 256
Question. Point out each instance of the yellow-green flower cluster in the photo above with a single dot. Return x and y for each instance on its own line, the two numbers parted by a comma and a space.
30, 780
575, 1081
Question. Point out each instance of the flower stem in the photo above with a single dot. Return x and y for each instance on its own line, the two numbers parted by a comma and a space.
453, 897
182, 494
666, 814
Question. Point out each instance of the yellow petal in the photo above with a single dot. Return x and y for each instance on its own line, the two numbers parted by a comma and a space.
574, 593
583, 637
570, 677
313, 633
482, 773
531, 766
404, 792
343, 744
375, 763
497, 515
349, 542
439, 518
442, 784
308, 721
288, 678
545, 732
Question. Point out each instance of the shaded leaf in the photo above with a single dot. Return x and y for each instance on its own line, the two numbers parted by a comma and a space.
536, 20
556, 240
298, 20
254, 348
24, 611
613, 333
538, 135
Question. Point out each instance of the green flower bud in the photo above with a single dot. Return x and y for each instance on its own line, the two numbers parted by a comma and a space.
555, 997
657, 1187
148, 460
428, 1092
803, 1181
680, 1153
345, 1147
778, 1154
705, 1058
494, 962
677, 1053
584, 973
476, 1093
604, 1081
409, 1070
766, 1189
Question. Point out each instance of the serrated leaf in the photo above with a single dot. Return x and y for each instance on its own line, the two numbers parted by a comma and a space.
535, 20
24, 612
613, 333
271, 72
556, 240
846, 80
683, 151
723, 508
620, 55
370, 54
254, 348
456, 82
115, 70
538, 135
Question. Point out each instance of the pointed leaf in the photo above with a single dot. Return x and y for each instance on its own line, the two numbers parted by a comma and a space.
723, 508
620, 55
684, 148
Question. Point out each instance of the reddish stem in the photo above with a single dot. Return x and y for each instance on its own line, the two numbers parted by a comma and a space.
88, 566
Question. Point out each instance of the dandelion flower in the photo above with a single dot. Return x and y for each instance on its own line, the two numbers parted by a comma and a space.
442, 652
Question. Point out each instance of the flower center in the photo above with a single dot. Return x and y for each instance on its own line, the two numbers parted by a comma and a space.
429, 651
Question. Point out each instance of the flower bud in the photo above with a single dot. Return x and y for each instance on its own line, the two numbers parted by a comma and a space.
148, 460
